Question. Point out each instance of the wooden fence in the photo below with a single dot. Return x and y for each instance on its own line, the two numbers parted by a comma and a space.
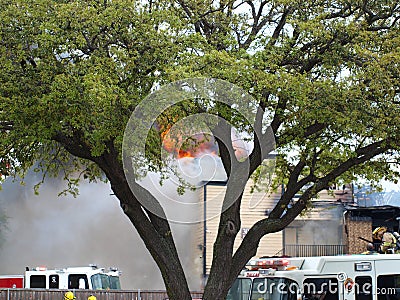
42, 294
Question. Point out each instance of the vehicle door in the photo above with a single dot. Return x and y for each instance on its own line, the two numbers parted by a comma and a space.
327, 287
240, 289
387, 279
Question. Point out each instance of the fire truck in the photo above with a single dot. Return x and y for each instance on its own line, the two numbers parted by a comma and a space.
90, 277
348, 277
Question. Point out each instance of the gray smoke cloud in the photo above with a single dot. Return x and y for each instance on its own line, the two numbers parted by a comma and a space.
330, 218
61, 231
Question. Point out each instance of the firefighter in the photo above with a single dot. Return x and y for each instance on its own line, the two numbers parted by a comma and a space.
69, 296
370, 249
387, 240
92, 297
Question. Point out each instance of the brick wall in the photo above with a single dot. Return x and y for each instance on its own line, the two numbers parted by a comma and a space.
357, 227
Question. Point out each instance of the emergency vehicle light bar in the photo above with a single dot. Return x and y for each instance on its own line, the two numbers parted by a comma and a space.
268, 263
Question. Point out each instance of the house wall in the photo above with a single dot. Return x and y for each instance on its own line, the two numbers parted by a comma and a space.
323, 225
254, 207
319, 231
314, 232
357, 227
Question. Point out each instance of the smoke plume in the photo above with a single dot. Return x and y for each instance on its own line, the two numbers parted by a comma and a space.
62, 231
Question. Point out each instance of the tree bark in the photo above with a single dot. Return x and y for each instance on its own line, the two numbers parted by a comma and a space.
153, 230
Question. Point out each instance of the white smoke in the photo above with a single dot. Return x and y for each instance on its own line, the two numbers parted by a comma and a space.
48, 230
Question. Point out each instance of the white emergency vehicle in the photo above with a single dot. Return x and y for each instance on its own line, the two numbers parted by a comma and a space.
90, 277
349, 277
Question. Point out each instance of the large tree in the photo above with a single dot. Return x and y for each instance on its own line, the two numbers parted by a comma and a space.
323, 74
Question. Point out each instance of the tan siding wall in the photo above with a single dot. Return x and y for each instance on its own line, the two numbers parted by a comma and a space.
214, 195
325, 207
254, 207
197, 237
323, 213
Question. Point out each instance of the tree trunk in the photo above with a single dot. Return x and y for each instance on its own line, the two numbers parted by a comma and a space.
219, 280
153, 230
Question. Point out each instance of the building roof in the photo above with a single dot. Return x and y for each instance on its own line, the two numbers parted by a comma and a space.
372, 208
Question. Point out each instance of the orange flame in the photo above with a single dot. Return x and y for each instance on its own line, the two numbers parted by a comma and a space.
185, 153
193, 150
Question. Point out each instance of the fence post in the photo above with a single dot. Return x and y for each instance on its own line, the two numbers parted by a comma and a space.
139, 298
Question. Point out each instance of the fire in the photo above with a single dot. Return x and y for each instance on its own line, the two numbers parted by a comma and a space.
168, 143
185, 153
192, 147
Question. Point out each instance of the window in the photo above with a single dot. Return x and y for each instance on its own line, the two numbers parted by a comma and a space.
100, 282
75, 280
53, 281
388, 287
37, 281
363, 288
274, 289
321, 289
240, 289
115, 284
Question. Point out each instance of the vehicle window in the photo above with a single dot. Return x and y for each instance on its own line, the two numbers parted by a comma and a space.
74, 279
388, 287
274, 289
321, 289
37, 281
363, 288
100, 282
240, 289
115, 284
53, 281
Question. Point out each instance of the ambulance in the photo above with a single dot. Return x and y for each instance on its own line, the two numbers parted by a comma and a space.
348, 277
90, 277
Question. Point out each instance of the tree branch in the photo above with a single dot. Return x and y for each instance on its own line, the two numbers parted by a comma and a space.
6, 125
222, 134
74, 144
276, 223
153, 229
280, 26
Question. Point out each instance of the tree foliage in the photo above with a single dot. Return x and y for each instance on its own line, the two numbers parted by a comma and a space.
325, 73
